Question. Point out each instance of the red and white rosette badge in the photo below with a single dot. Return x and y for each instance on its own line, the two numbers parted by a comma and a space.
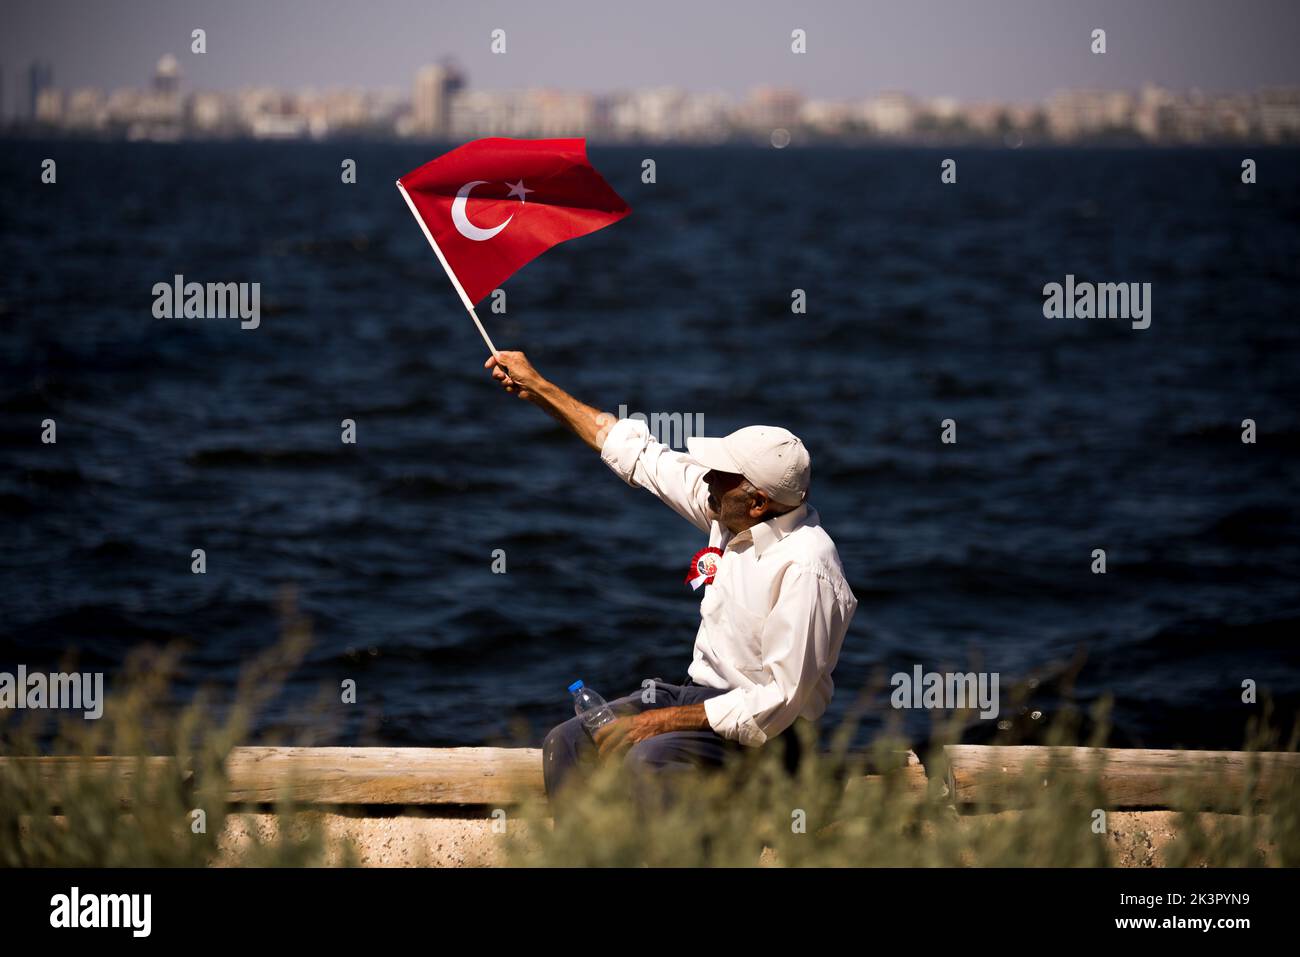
703, 567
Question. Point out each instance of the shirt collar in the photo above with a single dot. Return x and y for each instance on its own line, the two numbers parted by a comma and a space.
766, 534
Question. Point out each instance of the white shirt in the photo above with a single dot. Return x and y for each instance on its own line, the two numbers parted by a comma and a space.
773, 621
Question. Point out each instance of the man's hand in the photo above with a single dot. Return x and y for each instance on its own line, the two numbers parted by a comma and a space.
622, 733
516, 373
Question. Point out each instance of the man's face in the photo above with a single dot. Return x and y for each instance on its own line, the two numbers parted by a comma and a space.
730, 504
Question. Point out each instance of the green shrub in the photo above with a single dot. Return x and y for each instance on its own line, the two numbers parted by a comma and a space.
125, 788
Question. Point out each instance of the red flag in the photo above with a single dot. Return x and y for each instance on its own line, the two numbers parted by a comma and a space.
493, 205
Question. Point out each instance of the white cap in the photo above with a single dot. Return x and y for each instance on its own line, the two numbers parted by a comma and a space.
772, 458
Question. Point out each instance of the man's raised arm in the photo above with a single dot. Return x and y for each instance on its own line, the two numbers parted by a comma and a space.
589, 424
631, 452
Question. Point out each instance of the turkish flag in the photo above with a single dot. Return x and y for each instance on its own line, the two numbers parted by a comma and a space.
494, 204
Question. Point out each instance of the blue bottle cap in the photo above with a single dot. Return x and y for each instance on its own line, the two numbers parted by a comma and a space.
575, 686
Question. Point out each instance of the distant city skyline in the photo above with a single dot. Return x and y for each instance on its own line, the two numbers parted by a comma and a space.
442, 104
1011, 51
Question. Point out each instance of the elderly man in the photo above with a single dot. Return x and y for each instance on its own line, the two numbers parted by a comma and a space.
774, 609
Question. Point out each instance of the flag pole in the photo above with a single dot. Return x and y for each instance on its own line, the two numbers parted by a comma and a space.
469, 306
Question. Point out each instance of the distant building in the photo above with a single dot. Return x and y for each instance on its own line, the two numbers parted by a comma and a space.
661, 114
208, 114
1279, 115
522, 113
826, 117
1079, 113
49, 107
770, 108
40, 77
891, 114
84, 110
167, 76
431, 103
1154, 120
156, 113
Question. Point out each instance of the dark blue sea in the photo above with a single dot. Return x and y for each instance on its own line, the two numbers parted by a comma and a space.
924, 303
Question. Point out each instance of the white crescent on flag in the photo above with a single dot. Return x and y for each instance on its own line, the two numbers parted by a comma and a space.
461, 219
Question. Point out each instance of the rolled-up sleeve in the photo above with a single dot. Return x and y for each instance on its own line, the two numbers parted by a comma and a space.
800, 640
675, 478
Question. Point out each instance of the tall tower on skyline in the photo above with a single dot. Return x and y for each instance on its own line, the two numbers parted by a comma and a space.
431, 101
40, 77
167, 75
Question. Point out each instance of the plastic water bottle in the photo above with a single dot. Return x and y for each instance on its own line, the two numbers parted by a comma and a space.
590, 707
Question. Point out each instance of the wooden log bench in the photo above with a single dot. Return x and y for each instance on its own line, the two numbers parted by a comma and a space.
993, 776
976, 775
404, 776
367, 776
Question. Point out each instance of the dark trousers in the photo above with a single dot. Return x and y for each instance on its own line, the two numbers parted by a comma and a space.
569, 752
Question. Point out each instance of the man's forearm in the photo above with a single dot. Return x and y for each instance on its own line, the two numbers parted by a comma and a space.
686, 717
588, 423
644, 725
517, 375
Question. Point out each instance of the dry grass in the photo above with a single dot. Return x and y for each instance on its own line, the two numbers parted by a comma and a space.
752, 812
749, 813
149, 816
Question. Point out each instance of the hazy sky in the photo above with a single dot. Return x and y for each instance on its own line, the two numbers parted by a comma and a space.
1004, 49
